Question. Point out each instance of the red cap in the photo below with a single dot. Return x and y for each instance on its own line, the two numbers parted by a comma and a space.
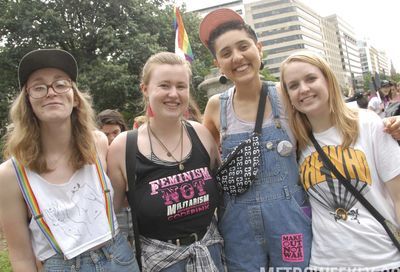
213, 20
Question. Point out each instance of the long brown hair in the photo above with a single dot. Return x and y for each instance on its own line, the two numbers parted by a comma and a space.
343, 118
23, 140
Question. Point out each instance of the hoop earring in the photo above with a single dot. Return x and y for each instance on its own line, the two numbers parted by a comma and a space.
222, 79
149, 111
261, 65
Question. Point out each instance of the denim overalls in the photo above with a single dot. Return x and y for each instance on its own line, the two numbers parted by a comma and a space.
269, 226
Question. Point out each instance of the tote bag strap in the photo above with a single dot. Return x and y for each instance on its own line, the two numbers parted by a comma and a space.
346, 183
261, 108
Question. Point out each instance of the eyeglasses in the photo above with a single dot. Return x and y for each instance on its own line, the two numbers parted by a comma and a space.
41, 90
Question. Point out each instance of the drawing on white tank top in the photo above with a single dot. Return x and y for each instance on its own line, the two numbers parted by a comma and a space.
84, 191
60, 219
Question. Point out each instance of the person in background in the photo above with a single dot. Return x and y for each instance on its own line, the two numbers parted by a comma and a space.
175, 194
359, 99
269, 225
112, 123
393, 107
139, 120
349, 137
56, 162
379, 101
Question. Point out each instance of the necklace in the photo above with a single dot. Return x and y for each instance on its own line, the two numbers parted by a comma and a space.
169, 153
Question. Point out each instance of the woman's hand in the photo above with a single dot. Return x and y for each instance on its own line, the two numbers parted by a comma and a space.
392, 126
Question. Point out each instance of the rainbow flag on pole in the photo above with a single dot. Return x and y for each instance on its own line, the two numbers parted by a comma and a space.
182, 44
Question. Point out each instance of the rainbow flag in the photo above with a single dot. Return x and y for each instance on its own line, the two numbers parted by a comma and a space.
182, 44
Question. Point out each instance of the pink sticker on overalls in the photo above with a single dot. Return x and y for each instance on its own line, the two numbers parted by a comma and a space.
292, 247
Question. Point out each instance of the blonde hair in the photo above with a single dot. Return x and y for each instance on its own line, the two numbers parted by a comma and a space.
343, 118
160, 59
23, 138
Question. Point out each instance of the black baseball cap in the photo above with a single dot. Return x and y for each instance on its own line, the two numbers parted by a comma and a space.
46, 58
386, 83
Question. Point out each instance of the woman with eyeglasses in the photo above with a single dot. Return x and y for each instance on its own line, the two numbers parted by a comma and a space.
55, 199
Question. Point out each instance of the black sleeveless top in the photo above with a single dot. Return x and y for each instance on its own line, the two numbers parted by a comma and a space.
172, 203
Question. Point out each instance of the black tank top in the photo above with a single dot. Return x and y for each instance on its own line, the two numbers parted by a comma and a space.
172, 203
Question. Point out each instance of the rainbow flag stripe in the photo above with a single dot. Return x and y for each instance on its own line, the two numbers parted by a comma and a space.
182, 44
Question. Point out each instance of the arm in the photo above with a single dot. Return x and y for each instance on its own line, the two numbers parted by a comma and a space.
117, 170
209, 143
392, 126
14, 218
393, 186
211, 117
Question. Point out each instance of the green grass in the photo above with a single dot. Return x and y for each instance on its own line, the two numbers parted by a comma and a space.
5, 265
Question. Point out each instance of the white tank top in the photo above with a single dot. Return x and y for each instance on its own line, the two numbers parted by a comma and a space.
237, 125
74, 211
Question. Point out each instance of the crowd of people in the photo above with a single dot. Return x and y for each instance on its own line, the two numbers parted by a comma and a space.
81, 196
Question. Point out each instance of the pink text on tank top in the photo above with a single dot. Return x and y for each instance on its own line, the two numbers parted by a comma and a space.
183, 193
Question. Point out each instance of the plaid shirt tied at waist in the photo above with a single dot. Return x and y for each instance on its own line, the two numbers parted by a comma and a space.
158, 255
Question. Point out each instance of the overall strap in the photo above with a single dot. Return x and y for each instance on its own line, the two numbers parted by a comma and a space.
261, 109
223, 115
33, 205
107, 195
130, 164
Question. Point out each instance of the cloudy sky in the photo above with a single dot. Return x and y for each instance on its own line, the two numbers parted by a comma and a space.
377, 20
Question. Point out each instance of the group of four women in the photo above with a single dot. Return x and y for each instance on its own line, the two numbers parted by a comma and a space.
57, 203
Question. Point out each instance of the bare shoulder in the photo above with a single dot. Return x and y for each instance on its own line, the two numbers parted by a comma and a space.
7, 173
213, 103
100, 138
10, 191
116, 152
212, 115
205, 136
101, 143
201, 129
119, 143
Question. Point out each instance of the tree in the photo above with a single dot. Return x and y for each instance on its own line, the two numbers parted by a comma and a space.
267, 75
111, 40
396, 77
367, 81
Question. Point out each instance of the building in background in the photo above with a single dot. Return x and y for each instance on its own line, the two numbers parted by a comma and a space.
236, 5
373, 60
383, 63
286, 26
368, 56
349, 52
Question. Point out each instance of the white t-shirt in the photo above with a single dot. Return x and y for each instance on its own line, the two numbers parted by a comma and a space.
359, 241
